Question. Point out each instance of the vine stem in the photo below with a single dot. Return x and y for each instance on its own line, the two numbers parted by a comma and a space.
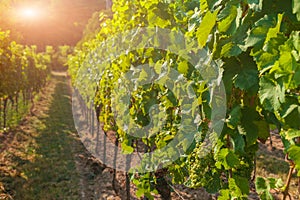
229, 146
289, 178
181, 197
254, 169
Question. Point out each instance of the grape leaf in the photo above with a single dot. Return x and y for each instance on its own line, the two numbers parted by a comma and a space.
263, 187
183, 67
239, 186
207, 24
259, 32
234, 117
227, 159
291, 134
227, 17
224, 195
255, 4
265, 58
248, 128
272, 32
263, 130
294, 154
246, 79
213, 183
230, 49
159, 17
271, 93
296, 8
238, 143
260, 184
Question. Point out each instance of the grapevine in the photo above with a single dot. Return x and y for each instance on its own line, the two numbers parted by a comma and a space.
257, 47
23, 72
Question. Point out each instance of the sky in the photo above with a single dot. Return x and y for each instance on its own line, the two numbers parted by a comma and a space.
50, 22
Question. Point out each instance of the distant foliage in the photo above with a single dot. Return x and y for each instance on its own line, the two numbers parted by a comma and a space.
23, 71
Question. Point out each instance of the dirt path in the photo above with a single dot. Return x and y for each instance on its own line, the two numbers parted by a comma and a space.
43, 158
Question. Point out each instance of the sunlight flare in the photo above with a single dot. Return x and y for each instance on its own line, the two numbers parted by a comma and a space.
29, 13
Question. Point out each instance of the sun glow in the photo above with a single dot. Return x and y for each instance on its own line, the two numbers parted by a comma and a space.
29, 13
